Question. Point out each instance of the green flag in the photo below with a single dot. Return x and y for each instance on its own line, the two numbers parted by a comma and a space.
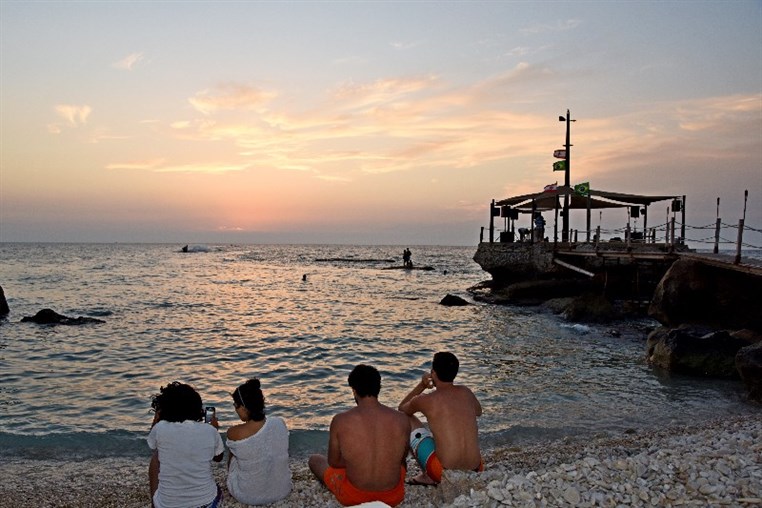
583, 189
559, 166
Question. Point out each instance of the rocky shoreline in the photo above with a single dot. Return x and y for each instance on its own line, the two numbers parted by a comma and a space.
716, 463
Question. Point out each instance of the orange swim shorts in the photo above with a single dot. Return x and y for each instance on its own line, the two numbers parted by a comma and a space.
434, 468
347, 494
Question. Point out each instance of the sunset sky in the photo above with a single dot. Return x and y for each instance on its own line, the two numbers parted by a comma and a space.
366, 122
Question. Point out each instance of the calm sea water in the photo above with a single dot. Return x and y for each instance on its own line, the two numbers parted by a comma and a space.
221, 314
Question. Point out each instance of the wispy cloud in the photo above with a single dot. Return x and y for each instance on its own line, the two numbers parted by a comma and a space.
129, 62
230, 97
137, 165
405, 45
74, 114
161, 165
558, 26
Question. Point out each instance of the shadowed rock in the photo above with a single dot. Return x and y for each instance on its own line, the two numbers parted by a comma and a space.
453, 301
4, 309
749, 365
51, 317
590, 308
682, 351
694, 293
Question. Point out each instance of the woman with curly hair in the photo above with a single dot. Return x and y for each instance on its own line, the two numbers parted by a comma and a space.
183, 449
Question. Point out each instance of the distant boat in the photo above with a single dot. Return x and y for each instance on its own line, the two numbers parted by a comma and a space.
195, 248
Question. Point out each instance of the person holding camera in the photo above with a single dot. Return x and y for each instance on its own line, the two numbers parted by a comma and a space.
184, 440
258, 471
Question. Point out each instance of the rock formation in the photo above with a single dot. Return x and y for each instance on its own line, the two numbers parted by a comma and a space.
684, 350
4, 309
692, 292
453, 301
50, 317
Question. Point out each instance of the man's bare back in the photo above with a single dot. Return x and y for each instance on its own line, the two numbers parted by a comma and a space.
372, 439
451, 411
367, 446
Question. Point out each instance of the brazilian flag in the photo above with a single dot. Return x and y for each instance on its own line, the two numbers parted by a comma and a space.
559, 166
583, 189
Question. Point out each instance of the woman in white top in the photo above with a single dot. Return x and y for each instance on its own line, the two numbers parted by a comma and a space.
258, 471
183, 449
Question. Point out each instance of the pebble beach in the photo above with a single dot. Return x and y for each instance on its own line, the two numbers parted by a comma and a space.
716, 463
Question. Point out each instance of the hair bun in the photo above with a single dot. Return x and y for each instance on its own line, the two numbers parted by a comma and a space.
255, 383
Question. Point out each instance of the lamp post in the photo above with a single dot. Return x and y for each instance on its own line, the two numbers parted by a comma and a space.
568, 120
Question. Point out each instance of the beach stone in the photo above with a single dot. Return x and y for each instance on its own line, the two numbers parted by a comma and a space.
453, 301
4, 309
748, 362
571, 495
51, 317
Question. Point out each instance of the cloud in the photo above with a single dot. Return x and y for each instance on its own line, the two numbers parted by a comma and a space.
333, 178
402, 46
558, 26
129, 62
75, 115
230, 97
160, 165
139, 165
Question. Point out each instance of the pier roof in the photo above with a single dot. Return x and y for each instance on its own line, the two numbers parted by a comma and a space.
598, 199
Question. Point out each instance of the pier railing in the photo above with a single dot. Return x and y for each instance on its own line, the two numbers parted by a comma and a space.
673, 235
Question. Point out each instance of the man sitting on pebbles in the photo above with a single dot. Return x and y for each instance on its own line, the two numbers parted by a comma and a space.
452, 440
367, 446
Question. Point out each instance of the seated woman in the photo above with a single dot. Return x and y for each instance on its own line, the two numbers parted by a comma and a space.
183, 447
258, 471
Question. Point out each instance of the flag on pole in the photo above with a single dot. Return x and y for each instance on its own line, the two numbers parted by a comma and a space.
553, 187
583, 189
559, 154
559, 166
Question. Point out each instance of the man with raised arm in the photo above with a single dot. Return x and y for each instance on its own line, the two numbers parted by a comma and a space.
367, 447
452, 439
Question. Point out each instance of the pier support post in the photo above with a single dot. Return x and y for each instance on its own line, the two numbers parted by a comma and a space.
717, 236
737, 260
682, 225
597, 237
492, 221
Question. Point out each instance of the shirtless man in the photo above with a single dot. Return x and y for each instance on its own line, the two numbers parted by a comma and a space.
452, 440
366, 447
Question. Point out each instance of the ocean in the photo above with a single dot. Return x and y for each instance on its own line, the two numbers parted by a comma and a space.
299, 317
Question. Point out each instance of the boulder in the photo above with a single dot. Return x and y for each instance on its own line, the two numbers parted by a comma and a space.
51, 317
590, 308
749, 365
681, 351
4, 309
453, 301
749, 336
693, 292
